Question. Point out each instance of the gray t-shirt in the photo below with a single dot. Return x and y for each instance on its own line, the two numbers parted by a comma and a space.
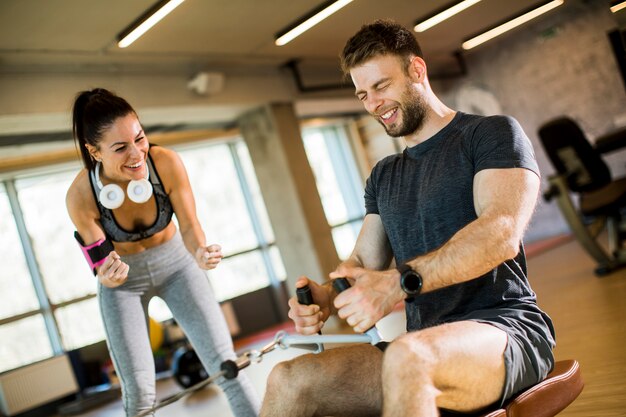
425, 195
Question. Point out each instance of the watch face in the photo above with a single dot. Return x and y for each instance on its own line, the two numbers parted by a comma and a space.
411, 282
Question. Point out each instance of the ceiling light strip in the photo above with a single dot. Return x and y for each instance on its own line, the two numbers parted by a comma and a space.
617, 6
143, 24
443, 15
308, 23
520, 20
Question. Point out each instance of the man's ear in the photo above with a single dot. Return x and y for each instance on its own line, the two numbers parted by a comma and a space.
417, 69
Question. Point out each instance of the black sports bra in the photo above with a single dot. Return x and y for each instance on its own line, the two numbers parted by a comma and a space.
164, 211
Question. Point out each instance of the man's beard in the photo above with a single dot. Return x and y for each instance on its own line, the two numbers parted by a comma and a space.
413, 114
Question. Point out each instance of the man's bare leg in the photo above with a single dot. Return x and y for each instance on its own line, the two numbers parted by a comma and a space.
457, 366
344, 381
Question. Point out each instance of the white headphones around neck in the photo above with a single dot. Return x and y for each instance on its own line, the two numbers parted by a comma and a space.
111, 196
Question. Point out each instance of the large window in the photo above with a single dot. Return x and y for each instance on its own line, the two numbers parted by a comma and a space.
17, 294
232, 214
69, 284
338, 182
47, 292
23, 332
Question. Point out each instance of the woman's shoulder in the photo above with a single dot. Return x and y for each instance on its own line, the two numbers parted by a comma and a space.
169, 167
80, 196
163, 157
80, 184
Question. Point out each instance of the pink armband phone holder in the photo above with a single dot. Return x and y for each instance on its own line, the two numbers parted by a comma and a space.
95, 253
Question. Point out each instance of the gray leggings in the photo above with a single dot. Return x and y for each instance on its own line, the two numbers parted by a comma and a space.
170, 272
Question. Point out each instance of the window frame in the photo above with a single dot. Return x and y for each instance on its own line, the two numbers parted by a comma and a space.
349, 165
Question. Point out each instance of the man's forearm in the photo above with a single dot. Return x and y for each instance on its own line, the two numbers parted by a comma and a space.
471, 252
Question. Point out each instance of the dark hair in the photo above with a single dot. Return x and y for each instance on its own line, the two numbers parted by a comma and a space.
382, 37
93, 113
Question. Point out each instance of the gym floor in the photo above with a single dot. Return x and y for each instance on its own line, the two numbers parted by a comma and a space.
589, 314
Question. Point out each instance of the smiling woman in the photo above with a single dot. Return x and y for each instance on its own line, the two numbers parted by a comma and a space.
137, 252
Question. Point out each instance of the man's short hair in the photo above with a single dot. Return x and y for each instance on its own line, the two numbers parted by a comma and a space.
382, 37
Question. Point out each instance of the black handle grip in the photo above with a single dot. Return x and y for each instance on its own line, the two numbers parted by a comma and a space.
304, 295
341, 284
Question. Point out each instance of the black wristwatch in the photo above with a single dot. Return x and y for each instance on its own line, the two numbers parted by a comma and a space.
410, 280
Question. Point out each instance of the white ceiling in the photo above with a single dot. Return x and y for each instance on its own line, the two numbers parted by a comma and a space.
60, 39
228, 35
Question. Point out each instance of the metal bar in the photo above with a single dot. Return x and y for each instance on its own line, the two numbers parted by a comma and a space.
289, 340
